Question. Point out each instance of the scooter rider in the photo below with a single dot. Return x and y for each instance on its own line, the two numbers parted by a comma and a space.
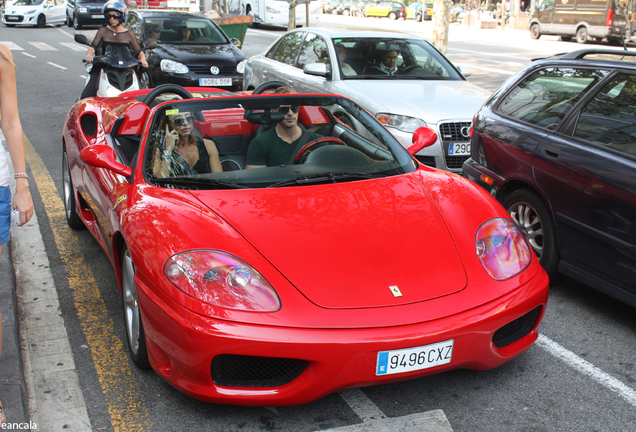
114, 32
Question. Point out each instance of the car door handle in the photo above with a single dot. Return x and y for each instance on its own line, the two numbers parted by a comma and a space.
551, 152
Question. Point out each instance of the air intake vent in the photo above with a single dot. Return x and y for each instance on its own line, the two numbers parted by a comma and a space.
517, 329
247, 371
88, 122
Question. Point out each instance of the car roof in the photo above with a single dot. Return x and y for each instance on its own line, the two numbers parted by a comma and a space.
626, 58
345, 32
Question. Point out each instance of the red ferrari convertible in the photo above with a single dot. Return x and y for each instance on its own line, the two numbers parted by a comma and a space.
347, 264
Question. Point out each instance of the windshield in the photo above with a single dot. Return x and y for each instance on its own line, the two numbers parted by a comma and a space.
381, 58
268, 141
184, 31
28, 2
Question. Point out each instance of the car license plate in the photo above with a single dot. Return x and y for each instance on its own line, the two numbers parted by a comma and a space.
215, 82
412, 359
459, 149
97, 16
11, 18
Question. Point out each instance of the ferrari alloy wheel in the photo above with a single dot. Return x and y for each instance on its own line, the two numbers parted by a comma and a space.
132, 315
72, 218
531, 215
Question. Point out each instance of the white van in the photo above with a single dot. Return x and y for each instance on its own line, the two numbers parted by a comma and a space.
36, 13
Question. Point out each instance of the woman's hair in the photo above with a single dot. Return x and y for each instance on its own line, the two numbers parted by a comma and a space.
284, 90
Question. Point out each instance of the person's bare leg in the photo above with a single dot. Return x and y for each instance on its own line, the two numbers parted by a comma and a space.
2, 417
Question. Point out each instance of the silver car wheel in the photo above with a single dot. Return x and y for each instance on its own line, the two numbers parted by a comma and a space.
131, 305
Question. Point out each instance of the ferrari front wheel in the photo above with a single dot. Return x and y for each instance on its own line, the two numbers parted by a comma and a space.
70, 208
132, 314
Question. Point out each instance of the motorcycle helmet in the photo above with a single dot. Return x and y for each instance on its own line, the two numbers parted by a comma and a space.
115, 6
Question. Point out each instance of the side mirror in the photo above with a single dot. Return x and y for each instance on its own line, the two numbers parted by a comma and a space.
466, 72
422, 137
81, 39
317, 69
103, 156
235, 42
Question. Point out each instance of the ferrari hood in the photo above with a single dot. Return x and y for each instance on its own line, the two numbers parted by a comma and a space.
360, 244
430, 100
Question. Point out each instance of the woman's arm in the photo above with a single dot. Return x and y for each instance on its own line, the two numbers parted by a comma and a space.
134, 43
213, 152
12, 130
90, 53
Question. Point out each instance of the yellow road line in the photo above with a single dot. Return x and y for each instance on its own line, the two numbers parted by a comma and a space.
111, 361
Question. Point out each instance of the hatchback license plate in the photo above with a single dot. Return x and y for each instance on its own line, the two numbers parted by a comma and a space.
215, 82
11, 18
459, 149
97, 16
412, 359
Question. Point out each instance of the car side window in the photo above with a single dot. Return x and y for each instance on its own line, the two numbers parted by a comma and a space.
287, 48
313, 50
608, 119
547, 95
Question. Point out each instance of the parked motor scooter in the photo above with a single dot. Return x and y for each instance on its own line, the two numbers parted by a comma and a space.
119, 69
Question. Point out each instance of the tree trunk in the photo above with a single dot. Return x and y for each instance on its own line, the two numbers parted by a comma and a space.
292, 15
441, 22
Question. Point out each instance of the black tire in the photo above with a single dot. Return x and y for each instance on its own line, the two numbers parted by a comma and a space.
345, 12
531, 215
70, 206
41, 21
76, 24
534, 31
144, 80
566, 38
581, 35
133, 323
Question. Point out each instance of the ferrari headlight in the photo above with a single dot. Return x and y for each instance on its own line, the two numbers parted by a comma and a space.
400, 122
171, 66
240, 68
502, 249
221, 280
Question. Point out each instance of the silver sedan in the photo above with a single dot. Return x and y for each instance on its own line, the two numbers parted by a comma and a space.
402, 80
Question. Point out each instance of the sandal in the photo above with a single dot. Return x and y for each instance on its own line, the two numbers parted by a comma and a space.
3, 420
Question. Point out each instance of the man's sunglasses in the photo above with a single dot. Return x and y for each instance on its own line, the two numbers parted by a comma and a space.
180, 121
111, 16
285, 108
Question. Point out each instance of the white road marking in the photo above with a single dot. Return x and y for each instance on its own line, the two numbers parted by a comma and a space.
11, 45
587, 368
361, 404
28, 55
64, 32
43, 46
74, 46
57, 66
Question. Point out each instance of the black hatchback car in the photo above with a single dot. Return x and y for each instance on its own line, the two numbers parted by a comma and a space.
191, 50
556, 144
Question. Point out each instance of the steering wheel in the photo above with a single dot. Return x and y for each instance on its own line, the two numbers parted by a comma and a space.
268, 85
314, 143
166, 88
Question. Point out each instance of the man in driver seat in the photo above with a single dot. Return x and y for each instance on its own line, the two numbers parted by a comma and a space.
278, 145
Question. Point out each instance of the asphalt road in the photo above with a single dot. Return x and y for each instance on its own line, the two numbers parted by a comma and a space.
579, 376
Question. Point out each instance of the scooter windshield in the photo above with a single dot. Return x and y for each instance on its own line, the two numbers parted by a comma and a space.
119, 55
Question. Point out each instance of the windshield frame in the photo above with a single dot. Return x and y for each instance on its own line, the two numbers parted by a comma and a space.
392, 157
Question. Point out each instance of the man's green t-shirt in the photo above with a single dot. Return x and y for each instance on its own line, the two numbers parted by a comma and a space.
269, 150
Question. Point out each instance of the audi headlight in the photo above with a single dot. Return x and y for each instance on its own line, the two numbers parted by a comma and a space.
502, 249
171, 66
221, 280
400, 122
240, 68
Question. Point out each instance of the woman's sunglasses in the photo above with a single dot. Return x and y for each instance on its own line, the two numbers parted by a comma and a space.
111, 16
180, 121
285, 108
